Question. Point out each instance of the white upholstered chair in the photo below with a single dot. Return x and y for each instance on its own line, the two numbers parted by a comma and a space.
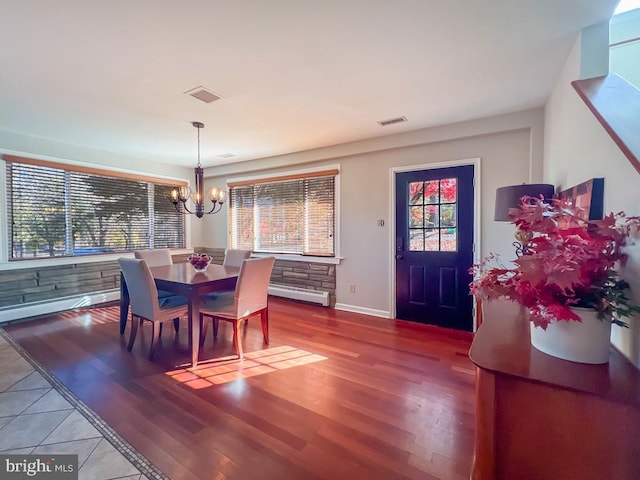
233, 257
249, 298
158, 257
145, 304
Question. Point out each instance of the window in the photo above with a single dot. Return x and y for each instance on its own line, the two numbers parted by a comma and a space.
624, 42
62, 210
292, 214
432, 215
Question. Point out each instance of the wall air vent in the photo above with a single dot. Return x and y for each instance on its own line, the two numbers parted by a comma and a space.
391, 121
203, 94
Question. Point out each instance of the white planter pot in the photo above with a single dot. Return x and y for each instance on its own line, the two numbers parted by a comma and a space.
585, 342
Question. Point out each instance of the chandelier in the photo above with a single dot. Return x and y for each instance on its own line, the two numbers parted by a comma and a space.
180, 197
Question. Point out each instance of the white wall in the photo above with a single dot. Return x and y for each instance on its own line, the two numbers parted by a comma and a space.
510, 148
27, 146
577, 148
594, 60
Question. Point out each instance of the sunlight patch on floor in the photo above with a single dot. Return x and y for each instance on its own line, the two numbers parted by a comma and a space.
228, 369
468, 371
86, 317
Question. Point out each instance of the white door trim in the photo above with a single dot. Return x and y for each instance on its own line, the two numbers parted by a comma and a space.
392, 216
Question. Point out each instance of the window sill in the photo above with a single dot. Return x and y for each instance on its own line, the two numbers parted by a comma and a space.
300, 258
53, 261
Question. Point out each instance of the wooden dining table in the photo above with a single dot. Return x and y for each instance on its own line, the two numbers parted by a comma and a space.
183, 279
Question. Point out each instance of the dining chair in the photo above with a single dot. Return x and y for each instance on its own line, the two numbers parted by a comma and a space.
158, 257
249, 298
233, 257
145, 304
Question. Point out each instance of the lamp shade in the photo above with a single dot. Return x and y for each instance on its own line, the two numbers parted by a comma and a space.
509, 197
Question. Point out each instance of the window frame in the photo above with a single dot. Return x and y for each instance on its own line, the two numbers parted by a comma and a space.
424, 203
7, 262
291, 175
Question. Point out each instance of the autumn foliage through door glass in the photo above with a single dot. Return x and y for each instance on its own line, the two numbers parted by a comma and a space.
432, 207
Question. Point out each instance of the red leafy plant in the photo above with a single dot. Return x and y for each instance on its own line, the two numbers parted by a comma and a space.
566, 262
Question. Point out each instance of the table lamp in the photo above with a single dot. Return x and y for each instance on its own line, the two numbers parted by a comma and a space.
509, 197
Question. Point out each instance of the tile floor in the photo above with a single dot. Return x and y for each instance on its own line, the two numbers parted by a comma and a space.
35, 418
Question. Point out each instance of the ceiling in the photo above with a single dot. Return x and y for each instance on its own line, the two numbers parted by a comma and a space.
293, 74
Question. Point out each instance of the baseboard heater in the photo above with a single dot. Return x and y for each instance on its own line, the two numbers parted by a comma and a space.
296, 293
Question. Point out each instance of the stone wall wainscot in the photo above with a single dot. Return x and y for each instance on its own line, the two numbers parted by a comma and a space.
39, 284
309, 275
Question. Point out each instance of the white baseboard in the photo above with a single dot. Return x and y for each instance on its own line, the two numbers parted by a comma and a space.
66, 303
364, 310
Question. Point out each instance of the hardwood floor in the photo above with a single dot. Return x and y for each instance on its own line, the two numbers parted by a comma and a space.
336, 395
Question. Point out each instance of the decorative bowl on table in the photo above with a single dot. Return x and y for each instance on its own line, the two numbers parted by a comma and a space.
200, 261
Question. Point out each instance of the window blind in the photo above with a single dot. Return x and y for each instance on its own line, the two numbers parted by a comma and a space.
55, 211
294, 216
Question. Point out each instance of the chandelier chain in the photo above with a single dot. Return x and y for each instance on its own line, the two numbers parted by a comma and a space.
181, 196
198, 128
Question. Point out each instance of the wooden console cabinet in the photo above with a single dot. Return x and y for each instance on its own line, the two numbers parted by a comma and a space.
539, 417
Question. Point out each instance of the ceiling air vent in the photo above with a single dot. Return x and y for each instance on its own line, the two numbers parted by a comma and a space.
391, 121
227, 155
204, 95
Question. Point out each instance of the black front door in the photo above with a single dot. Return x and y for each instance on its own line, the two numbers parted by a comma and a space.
434, 246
